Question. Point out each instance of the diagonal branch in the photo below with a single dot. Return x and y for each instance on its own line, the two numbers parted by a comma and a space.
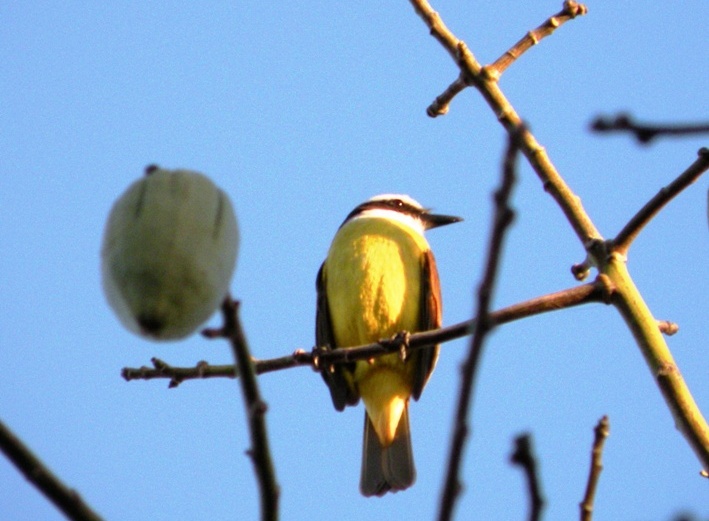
631, 230
65, 499
553, 183
501, 222
440, 105
569, 11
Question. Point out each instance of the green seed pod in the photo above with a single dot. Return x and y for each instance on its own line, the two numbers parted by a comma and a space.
169, 252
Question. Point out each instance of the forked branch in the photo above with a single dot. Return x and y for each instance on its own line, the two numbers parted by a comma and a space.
494, 71
609, 260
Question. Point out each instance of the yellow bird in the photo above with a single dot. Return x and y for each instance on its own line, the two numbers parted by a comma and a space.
379, 279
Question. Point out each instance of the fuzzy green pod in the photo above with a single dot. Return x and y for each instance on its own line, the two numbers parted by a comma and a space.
169, 252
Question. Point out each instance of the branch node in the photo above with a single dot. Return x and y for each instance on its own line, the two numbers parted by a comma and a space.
667, 327
607, 287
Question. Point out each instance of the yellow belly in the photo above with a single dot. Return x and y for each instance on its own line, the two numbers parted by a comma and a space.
374, 291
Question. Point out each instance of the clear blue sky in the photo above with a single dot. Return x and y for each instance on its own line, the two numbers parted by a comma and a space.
300, 112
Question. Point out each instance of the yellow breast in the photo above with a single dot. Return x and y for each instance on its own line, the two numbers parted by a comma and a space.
373, 286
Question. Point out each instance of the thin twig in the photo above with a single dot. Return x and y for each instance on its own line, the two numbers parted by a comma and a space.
501, 221
177, 375
64, 498
645, 132
524, 457
631, 230
255, 409
440, 105
601, 432
569, 11
571, 297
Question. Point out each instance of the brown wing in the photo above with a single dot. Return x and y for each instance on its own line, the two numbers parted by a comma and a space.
342, 390
431, 317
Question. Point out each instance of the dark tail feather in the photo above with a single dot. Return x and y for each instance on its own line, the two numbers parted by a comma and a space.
389, 468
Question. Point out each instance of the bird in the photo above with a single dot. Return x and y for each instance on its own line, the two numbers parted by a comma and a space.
380, 280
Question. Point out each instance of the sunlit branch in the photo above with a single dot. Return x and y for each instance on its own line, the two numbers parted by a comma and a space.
626, 297
631, 230
470, 69
569, 11
64, 498
440, 105
502, 219
492, 72
601, 432
643, 132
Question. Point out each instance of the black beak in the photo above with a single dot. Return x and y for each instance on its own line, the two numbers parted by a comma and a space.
434, 221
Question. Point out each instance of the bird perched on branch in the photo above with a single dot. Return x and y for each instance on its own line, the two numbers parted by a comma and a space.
380, 279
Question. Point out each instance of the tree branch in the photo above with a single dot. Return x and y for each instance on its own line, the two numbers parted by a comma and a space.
601, 432
177, 375
471, 70
569, 11
440, 105
571, 297
255, 408
524, 457
644, 133
630, 231
502, 219
611, 264
64, 498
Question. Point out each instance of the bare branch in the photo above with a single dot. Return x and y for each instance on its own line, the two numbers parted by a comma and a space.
477, 75
631, 230
440, 105
569, 11
626, 297
177, 375
524, 457
643, 132
553, 183
601, 432
255, 409
65, 499
571, 297
501, 221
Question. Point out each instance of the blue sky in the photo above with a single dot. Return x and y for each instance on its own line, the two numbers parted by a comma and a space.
300, 113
